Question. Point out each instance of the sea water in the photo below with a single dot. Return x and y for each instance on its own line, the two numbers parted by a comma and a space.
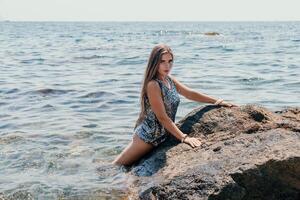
69, 92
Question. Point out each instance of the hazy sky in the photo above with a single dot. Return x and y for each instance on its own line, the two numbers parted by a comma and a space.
150, 10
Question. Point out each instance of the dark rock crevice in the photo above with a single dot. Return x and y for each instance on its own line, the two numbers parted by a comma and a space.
274, 180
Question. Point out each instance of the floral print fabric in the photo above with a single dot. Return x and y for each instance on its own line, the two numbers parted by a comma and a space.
150, 130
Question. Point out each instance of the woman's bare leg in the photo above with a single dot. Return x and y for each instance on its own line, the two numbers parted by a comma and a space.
133, 152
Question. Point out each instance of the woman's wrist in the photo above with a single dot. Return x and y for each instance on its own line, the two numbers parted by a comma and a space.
183, 138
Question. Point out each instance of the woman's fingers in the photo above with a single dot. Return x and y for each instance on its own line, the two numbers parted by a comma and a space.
234, 105
229, 104
198, 143
195, 142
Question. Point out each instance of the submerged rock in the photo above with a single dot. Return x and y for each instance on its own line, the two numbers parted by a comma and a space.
247, 152
211, 33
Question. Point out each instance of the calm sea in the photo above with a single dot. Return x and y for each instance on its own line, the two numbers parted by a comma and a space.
69, 92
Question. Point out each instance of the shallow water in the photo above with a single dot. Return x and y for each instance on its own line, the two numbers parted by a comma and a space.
69, 92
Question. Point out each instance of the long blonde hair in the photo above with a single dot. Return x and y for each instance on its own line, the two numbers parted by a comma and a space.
151, 73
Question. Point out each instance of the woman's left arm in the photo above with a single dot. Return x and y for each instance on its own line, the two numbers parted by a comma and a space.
197, 96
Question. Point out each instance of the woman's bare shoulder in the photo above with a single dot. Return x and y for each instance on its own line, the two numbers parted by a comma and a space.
152, 86
152, 83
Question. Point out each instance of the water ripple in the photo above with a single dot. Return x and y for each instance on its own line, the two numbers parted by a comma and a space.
48, 91
97, 94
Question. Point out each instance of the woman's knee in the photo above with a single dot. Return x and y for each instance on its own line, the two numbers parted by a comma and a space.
134, 151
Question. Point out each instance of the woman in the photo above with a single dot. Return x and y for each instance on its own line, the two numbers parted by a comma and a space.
159, 101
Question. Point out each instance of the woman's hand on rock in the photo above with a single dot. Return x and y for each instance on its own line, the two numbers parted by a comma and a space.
227, 104
193, 142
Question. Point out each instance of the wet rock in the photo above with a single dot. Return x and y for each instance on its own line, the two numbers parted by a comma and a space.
247, 153
211, 33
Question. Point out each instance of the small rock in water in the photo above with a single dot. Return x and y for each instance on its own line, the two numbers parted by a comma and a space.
211, 33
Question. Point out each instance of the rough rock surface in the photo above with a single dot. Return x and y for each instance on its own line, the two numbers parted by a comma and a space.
247, 152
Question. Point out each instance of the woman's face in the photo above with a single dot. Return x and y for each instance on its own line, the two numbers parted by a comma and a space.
165, 64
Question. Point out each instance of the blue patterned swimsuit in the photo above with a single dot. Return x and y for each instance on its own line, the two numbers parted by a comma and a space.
150, 130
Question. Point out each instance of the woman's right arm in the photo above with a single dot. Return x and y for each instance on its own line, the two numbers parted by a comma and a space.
157, 106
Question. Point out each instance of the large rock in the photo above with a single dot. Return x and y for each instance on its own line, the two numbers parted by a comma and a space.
248, 152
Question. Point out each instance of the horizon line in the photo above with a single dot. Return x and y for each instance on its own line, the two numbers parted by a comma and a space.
8, 20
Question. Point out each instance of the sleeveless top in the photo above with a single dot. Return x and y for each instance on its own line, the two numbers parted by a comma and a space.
150, 125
